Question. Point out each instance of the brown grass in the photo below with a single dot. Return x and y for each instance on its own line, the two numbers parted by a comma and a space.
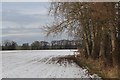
96, 66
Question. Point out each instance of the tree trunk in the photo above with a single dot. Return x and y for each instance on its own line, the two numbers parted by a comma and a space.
102, 49
86, 45
96, 42
114, 45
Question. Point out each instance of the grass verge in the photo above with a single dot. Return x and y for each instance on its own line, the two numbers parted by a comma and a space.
96, 66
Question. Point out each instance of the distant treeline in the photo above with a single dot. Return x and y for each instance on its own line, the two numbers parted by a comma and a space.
41, 45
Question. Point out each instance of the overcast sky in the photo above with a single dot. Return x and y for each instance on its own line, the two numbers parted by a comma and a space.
22, 22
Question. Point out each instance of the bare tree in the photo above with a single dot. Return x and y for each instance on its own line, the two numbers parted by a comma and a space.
95, 23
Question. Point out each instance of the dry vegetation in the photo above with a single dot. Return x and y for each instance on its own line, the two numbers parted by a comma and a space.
98, 68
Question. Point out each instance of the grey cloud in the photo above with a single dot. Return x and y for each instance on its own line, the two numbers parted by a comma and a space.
22, 18
14, 19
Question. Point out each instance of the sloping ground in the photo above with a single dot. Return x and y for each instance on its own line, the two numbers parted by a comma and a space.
41, 64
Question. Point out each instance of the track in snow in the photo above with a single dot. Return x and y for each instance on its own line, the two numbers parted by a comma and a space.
40, 64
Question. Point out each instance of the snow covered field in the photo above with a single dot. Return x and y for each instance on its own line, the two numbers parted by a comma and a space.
37, 64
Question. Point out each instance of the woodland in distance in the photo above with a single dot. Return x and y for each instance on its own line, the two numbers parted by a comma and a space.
41, 45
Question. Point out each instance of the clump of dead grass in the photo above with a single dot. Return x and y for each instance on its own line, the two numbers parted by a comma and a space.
96, 66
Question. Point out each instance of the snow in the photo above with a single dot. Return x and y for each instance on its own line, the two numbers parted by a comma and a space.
36, 64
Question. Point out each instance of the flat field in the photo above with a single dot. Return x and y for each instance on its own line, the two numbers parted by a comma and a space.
40, 64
